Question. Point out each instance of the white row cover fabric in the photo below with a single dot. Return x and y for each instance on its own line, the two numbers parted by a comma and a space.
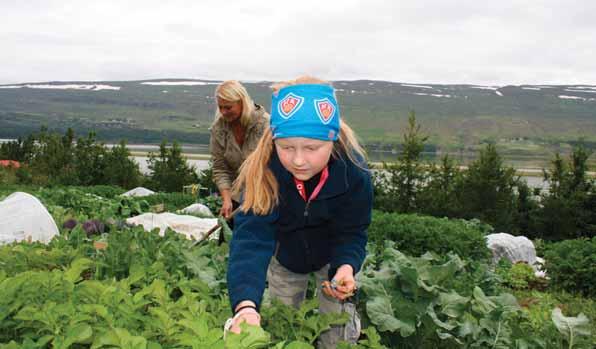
197, 209
139, 192
24, 217
514, 248
191, 226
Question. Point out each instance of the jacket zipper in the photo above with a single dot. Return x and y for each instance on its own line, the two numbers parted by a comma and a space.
306, 211
304, 240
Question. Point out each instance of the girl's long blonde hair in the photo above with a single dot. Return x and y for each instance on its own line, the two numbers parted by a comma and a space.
256, 179
233, 91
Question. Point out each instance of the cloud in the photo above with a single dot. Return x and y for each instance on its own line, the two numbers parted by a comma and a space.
424, 41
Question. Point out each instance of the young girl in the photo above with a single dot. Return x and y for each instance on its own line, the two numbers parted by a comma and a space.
307, 200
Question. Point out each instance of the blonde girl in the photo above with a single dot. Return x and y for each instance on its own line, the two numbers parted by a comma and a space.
307, 200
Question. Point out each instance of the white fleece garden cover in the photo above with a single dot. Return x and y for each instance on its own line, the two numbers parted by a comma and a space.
139, 192
24, 217
191, 226
197, 209
514, 248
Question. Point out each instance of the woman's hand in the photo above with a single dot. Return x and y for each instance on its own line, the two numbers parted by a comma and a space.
226, 208
343, 284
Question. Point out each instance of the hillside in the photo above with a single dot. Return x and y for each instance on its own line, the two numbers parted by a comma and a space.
520, 119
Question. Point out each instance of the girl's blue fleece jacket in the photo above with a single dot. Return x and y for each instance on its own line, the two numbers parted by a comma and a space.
332, 229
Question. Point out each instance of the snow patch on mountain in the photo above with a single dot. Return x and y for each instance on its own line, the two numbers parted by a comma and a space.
179, 83
66, 87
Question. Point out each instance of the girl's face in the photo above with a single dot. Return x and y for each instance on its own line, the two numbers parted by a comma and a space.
303, 157
231, 111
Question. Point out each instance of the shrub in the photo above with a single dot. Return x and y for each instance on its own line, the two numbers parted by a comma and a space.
171, 201
105, 191
571, 265
7, 176
415, 235
518, 276
206, 180
24, 175
541, 246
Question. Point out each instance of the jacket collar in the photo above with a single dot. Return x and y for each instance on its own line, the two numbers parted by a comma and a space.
256, 115
336, 184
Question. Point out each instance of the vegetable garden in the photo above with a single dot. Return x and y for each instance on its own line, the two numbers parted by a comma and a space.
426, 283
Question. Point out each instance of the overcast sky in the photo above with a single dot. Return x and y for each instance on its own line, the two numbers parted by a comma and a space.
425, 41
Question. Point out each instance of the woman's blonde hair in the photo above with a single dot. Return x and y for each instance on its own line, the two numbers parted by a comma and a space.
256, 179
233, 91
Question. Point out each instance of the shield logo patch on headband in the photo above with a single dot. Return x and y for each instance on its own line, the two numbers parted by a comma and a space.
325, 109
289, 105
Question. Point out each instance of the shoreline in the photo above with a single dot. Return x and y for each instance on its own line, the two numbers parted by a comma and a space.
524, 172
188, 156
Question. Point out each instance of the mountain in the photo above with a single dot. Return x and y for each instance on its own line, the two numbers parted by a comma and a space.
520, 118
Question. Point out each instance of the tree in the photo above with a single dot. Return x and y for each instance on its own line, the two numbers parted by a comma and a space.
487, 191
169, 169
397, 185
438, 197
19, 150
526, 209
569, 208
121, 170
52, 160
89, 160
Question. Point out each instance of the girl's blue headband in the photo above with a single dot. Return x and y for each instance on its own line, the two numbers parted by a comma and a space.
309, 111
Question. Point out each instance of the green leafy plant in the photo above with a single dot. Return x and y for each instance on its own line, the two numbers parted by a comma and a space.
303, 324
571, 265
250, 337
409, 303
415, 235
517, 276
372, 340
572, 328
171, 201
129, 288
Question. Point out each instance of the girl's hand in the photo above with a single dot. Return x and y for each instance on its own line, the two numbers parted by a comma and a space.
248, 315
245, 311
343, 284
